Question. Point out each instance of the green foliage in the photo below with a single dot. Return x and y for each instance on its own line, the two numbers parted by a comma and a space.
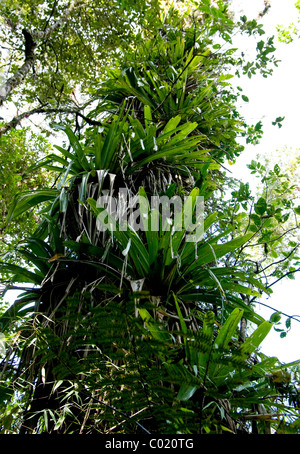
287, 34
198, 373
275, 218
184, 87
129, 330
16, 177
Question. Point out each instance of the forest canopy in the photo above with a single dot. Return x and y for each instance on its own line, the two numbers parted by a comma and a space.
123, 323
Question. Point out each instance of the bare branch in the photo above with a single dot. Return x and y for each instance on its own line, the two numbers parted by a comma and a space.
16, 121
267, 6
283, 276
281, 260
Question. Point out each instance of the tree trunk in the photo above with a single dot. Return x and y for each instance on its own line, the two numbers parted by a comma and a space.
31, 38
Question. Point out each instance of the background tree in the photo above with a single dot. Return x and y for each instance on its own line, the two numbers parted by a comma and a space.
289, 33
53, 52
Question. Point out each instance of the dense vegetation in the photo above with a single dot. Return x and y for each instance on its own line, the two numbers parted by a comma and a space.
126, 329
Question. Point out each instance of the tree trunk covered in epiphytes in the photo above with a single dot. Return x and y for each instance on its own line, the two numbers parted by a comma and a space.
138, 323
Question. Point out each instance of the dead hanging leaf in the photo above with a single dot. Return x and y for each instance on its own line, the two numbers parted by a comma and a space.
55, 257
43, 375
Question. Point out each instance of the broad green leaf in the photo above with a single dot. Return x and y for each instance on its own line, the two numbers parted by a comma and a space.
225, 77
256, 338
150, 126
266, 365
275, 317
260, 206
235, 287
182, 132
172, 124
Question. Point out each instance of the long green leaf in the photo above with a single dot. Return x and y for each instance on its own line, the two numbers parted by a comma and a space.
64, 152
137, 251
16, 310
40, 263
207, 343
27, 200
151, 234
183, 328
38, 247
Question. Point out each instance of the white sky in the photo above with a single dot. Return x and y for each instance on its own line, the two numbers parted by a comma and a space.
278, 95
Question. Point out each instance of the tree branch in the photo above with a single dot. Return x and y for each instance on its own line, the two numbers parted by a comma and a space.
283, 276
21, 73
